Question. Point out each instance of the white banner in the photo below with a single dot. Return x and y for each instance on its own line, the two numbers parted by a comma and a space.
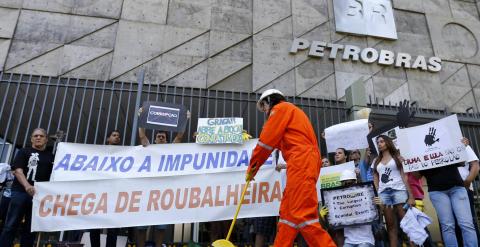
93, 162
219, 130
351, 205
349, 135
114, 203
431, 145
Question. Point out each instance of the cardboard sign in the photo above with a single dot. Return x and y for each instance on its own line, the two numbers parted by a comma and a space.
163, 116
219, 131
349, 206
349, 135
432, 145
330, 176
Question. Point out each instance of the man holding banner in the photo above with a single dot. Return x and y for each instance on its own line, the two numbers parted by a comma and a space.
289, 130
32, 164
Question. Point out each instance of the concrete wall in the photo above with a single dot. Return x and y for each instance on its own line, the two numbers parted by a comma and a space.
241, 45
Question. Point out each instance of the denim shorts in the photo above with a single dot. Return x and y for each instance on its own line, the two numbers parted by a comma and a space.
392, 197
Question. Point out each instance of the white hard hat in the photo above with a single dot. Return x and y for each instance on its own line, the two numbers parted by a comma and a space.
267, 93
348, 175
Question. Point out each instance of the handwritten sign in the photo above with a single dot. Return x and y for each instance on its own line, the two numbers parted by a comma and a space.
432, 145
352, 205
219, 131
349, 135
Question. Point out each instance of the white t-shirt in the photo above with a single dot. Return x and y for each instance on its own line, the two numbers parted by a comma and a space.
359, 235
465, 170
389, 176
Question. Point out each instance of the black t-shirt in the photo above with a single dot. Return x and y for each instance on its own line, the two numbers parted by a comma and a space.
443, 178
37, 166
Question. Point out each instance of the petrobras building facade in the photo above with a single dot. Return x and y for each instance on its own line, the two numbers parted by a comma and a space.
426, 51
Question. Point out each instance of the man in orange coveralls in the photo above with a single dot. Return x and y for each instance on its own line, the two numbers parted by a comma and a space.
289, 130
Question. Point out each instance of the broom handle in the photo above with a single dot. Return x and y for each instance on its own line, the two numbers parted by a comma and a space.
238, 210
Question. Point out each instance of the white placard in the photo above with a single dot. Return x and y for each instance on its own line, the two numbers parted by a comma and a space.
349, 135
114, 203
330, 176
351, 205
219, 131
432, 145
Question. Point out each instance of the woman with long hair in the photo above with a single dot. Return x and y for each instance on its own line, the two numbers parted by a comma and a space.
392, 185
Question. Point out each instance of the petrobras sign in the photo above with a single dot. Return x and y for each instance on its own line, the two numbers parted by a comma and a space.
365, 17
320, 49
160, 115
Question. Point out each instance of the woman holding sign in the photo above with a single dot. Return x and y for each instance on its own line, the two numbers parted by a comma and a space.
289, 130
392, 185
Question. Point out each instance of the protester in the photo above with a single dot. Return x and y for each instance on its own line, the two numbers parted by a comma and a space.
416, 185
6, 180
355, 236
450, 199
468, 172
31, 164
113, 138
141, 236
392, 185
325, 162
341, 156
289, 130
366, 171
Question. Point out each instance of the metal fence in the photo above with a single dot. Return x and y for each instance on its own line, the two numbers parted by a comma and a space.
86, 110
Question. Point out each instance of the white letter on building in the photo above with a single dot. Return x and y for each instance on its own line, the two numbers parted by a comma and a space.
299, 44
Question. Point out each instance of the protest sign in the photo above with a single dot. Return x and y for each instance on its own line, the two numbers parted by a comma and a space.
349, 135
431, 145
163, 116
219, 131
330, 176
89, 162
351, 205
115, 203
392, 133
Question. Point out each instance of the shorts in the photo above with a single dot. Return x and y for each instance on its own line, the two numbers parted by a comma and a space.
156, 227
392, 197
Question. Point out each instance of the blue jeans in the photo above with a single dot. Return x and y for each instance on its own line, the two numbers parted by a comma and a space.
451, 204
20, 206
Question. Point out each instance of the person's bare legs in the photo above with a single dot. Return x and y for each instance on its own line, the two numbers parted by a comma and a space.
259, 240
140, 236
159, 236
391, 226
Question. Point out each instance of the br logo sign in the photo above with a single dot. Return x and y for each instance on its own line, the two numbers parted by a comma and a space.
365, 17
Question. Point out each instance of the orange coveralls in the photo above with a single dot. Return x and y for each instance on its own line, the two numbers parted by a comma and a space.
289, 130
